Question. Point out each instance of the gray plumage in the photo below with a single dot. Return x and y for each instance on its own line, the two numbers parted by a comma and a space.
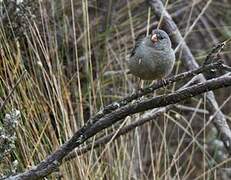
152, 60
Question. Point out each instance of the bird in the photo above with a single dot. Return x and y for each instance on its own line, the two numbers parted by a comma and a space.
152, 58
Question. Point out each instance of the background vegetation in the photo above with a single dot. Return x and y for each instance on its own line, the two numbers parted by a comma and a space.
74, 54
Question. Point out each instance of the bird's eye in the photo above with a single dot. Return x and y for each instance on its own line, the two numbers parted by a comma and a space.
160, 37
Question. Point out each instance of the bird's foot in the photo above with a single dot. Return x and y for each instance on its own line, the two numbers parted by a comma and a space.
162, 82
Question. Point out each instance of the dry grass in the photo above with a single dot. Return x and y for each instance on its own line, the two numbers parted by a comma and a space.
67, 50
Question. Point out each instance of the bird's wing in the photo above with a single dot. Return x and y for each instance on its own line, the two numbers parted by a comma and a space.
137, 44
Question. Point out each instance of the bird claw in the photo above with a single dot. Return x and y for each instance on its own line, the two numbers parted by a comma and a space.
162, 82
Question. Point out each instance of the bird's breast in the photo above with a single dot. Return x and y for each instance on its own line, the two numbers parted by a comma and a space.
151, 64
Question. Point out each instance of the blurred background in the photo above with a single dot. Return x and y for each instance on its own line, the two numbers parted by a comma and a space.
75, 56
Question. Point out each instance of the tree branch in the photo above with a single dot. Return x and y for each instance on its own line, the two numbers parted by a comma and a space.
105, 139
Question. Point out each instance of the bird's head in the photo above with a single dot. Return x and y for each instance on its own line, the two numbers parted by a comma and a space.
158, 39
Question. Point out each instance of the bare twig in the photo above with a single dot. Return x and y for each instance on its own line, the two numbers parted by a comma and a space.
215, 52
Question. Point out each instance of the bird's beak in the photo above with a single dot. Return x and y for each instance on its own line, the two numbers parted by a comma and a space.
154, 38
